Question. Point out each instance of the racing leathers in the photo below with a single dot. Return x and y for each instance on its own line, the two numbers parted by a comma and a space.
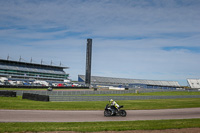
114, 104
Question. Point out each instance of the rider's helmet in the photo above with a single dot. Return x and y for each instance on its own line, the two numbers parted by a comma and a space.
110, 100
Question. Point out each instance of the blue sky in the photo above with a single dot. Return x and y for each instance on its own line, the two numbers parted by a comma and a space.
137, 39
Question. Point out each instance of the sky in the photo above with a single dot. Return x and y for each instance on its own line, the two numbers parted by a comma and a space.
135, 39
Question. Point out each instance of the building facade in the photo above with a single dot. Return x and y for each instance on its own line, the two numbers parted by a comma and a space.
16, 70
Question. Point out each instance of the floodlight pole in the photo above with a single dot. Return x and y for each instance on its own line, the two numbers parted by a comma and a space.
88, 63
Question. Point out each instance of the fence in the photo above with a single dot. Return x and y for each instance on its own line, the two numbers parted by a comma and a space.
64, 93
89, 92
85, 95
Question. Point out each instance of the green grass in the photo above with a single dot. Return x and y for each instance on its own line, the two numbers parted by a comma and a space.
99, 126
19, 103
167, 93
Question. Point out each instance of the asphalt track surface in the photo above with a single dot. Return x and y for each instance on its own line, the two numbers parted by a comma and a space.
91, 116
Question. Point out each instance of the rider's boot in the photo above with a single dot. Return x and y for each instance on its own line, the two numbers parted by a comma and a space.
112, 112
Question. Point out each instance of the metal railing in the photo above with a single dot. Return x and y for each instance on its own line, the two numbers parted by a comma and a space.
68, 93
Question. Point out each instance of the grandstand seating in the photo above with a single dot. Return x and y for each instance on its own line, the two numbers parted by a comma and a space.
194, 83
122, 81
26, 70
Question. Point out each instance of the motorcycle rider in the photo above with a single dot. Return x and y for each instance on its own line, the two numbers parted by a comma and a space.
115, 105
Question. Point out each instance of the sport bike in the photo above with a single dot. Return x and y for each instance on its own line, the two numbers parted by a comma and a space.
112, 111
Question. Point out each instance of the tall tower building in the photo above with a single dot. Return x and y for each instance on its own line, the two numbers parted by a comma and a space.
88, 62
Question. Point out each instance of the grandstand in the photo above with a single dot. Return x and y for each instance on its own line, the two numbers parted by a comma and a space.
131, 83
194, 83
16, 70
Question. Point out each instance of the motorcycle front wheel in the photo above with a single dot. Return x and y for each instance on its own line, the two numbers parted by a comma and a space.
123, 113
107, 113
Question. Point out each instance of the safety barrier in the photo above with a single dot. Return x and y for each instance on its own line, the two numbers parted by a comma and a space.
63, 93
8, 93
90, 92
85, 95
35, 97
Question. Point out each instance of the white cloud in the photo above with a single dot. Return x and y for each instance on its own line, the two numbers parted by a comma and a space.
128, 36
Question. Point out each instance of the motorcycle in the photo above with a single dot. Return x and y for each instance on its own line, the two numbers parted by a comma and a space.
112, 111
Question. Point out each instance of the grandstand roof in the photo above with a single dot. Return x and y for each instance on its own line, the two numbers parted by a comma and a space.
194, 83
33, 64
31, 67
110, 80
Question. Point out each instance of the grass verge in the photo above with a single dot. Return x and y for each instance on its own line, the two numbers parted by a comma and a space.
100, 126
165, 93
19, 103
